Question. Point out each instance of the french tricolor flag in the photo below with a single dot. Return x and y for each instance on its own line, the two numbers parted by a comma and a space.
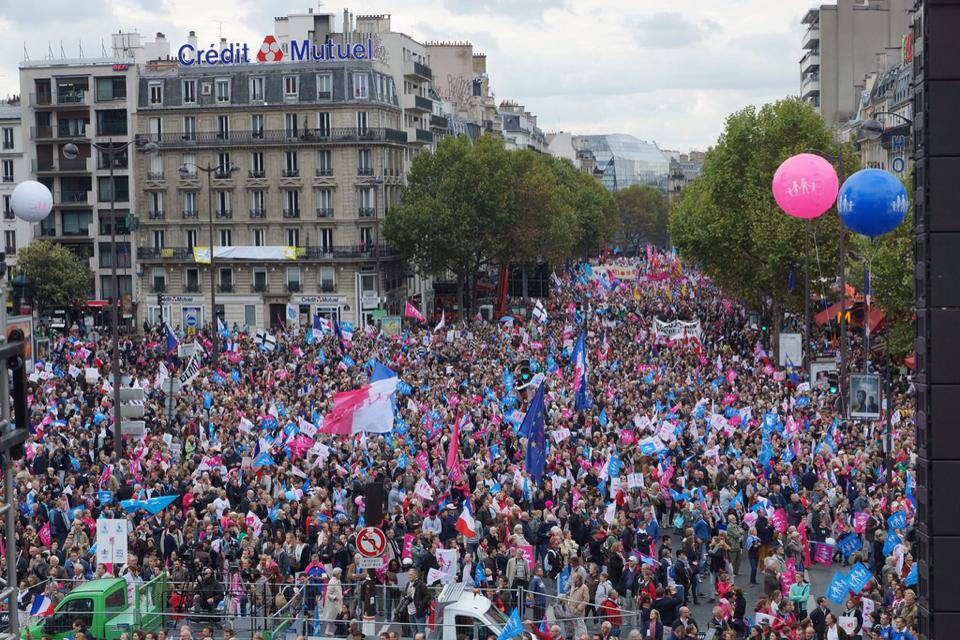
365, 410
466, 525
42, 606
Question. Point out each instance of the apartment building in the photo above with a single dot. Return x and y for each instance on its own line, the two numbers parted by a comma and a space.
840, 46
460, 79
319, 153
84, 102
520, 130
13, 170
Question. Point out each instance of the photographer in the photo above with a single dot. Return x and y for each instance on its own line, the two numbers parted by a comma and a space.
209, 592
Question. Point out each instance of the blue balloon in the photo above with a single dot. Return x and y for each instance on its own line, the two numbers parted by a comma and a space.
872, 202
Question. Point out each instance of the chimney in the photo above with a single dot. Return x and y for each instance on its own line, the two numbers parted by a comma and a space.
192, 40
223, 43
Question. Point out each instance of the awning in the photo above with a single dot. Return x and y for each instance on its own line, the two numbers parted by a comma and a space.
97, 303
830, 313
874, 319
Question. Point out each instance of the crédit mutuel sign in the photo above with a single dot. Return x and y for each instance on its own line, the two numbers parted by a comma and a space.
270, 51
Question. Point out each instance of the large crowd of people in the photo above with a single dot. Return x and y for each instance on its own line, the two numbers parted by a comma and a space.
698, 468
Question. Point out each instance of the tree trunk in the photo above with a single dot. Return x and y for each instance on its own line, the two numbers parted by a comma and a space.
525, 284
777, 325
460, 287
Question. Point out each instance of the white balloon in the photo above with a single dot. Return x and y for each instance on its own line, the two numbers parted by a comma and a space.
31, 201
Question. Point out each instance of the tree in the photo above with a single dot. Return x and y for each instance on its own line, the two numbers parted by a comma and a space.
728, 222
57, 276
643, 216
596, 212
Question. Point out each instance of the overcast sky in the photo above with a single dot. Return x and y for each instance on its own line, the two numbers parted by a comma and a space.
663, 70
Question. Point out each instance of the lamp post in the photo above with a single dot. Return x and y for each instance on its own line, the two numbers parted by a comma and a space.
71, 152
210, 170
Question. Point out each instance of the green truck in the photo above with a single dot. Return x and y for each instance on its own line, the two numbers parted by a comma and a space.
106, 610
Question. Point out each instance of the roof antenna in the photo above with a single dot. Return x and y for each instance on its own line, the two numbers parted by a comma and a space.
49, 50
80, 46
63, 54
103, 48
26, 56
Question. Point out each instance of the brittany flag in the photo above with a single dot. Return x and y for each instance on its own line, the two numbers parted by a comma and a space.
466, 525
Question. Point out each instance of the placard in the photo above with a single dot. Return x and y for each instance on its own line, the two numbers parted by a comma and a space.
112, 541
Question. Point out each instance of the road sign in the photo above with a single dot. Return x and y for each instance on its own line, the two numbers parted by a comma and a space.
371, 543
371, 563
191, 320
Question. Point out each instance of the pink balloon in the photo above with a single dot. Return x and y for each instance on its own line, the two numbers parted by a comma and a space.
805, 186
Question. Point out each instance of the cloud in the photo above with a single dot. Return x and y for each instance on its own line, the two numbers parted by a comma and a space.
667, 31
520, 9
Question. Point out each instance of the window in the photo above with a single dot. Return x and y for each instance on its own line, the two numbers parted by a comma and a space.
8, 137
323, 124
293, 278
257, 209
259, 279
250, 315
222, 89
189, 91
326, 240
366, 237
191, 238
293, 237
256, 164
327, 282
193, 279
156, 204
223, 127
105, 192
112, 88
291, 206
226, 279
190, 129
158, 239
361, 122
156, 92
7, 209
259, 237
155, 126
290, 124
123, 255
290, 165
360, 86
113, 122
291, 87
226, 238
256, 88
7, 170
256, 125
367, 201
189, 203
106, 286
10, 241
324, 163
324, 86
223, 203
159, 284
189, 161
363, 163
105, 219
325, 203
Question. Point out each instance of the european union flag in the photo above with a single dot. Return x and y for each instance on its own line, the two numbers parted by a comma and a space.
532, 427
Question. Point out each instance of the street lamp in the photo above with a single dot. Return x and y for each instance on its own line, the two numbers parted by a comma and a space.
71, 152
210, 170
872, 129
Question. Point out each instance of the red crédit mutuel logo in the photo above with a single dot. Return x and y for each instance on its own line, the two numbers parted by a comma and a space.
270, 50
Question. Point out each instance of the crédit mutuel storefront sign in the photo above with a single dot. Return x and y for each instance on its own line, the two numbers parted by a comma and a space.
300, 51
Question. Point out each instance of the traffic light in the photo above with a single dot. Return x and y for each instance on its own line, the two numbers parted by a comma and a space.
18, 374
525, 374
833, 379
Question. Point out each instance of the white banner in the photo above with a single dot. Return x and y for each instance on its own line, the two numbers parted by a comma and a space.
112, 541
676, 330
191, 372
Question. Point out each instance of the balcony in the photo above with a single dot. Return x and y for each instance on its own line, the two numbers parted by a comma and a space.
810, 61
325, 172
366, 212
73, 198
156, 215
327, 287
60, 131
224, 214
6, 179
65, 166
226, 287
811, 39
259, 287
293, 287
324, 96
324, 212
317, 252
190, 214
156, 253
258, 213
155, 175
810, 85
291, 173
439, 122
222, 175
258, 174
10, 250
43, 99
417, 71
158, 287
423, 136
291, 213
417, 104
71, 96
364, 171
193, 287
277, 137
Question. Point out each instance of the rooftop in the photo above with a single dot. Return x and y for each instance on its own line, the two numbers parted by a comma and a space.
74, 62
9, 112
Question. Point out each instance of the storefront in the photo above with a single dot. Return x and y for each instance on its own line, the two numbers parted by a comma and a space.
328, 307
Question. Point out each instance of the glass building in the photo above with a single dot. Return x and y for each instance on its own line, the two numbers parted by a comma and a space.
626, 160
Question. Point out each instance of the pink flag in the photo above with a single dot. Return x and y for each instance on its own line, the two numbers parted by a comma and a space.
453, 452
367, 409
44, 534
422, 460
779, 520
627, 437
806, 546
407, 550
823, 553
411, 311
860, 521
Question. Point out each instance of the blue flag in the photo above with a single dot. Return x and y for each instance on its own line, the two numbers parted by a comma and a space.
264, 460
838, 589
533, 428
911, 578
849, 545
859, 577
480, 576
513, 627
897, 520
580, 367
172, 342
152, 505
892, 541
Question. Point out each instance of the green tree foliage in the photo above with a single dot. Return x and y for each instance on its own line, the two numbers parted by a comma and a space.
468, 205
57, 276
643, 217
727, 220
